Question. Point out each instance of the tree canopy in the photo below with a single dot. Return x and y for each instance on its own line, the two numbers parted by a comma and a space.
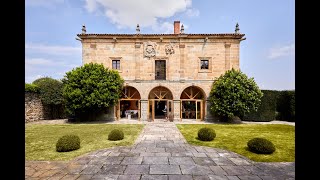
91, 88
234, 94
50, 90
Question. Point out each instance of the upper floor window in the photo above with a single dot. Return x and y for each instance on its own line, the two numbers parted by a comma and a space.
204, 64
160, 70
116, 64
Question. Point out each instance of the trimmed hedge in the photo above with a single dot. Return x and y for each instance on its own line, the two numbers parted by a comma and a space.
261, 146
286, 106
267, 109
206, 134
68, 143
275, 105
31, 88
115, 135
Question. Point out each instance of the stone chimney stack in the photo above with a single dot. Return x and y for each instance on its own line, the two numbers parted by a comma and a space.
176, 27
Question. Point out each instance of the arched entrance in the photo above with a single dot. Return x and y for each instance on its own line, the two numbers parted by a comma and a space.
129, 104
159, 97
192, 103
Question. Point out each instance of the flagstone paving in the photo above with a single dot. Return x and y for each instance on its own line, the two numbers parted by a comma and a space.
160, 152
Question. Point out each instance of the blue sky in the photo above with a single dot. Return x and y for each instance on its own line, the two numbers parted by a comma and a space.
267, 55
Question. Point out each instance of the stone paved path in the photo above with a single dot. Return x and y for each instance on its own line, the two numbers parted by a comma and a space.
160, 153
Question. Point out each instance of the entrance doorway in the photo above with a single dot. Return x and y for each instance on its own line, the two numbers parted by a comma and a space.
159, 112
129, 104
192, 103
159, 97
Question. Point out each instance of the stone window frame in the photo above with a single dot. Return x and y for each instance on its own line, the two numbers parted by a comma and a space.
118, 59
157, 58
209, 70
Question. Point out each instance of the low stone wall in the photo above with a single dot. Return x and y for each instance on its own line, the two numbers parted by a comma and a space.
34, 109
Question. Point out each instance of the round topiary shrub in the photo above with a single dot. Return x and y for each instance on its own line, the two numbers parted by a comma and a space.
68, 143
261, 146
206, 134
115, 135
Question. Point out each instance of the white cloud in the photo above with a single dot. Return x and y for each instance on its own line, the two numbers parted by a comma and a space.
39, 62
146, 13
163, 28
43, 3
192, 12
49, 49
42, 67
282, 51
50, 60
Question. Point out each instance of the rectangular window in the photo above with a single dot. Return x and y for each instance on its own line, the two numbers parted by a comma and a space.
160, 71
116, 64
204, 64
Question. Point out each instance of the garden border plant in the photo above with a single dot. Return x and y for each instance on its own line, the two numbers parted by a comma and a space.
68, 143
234, 137
261, 146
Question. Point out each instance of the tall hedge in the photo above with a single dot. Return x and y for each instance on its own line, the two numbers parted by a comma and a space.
286, 106
267, 109
275, 105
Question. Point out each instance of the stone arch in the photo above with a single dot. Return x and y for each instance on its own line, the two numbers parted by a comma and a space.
130, 92
195, 92
160, 92
192, 100
129, 103
160, 103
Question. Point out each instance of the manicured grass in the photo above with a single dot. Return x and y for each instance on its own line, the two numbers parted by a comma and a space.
235, 138
40, 140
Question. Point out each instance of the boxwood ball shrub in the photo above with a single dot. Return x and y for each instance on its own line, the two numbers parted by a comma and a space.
68, 143
115, 135
206, 134
261, 146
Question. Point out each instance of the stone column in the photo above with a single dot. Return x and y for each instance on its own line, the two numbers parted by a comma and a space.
227, 56
176, 113
144, 109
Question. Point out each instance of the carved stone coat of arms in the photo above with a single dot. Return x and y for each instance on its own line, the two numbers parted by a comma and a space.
169, 49
150, 49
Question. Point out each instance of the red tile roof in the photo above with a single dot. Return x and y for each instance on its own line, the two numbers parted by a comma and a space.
234, 35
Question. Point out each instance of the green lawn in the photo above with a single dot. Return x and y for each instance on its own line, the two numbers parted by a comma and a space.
40, 140
235, 138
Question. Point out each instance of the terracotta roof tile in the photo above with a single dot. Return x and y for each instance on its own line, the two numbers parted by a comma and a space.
220, 34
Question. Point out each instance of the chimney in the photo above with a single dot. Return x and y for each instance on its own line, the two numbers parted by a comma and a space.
176, 27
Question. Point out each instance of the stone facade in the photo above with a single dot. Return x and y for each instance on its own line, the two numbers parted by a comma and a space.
34, 109
182, 53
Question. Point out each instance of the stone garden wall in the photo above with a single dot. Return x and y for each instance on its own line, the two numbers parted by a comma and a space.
34, 109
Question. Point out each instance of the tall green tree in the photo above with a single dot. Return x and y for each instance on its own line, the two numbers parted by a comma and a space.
91, 88
51, 94
234, 94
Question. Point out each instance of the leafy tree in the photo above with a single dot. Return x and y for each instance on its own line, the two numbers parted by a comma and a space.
91, 88
51, 94
31, 88
234, 94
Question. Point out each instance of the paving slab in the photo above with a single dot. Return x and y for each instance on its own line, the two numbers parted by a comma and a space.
137, 169
195, 170
160, 152
155, 160
164, 169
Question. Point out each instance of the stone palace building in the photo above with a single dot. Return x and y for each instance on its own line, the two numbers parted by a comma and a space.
173, 70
